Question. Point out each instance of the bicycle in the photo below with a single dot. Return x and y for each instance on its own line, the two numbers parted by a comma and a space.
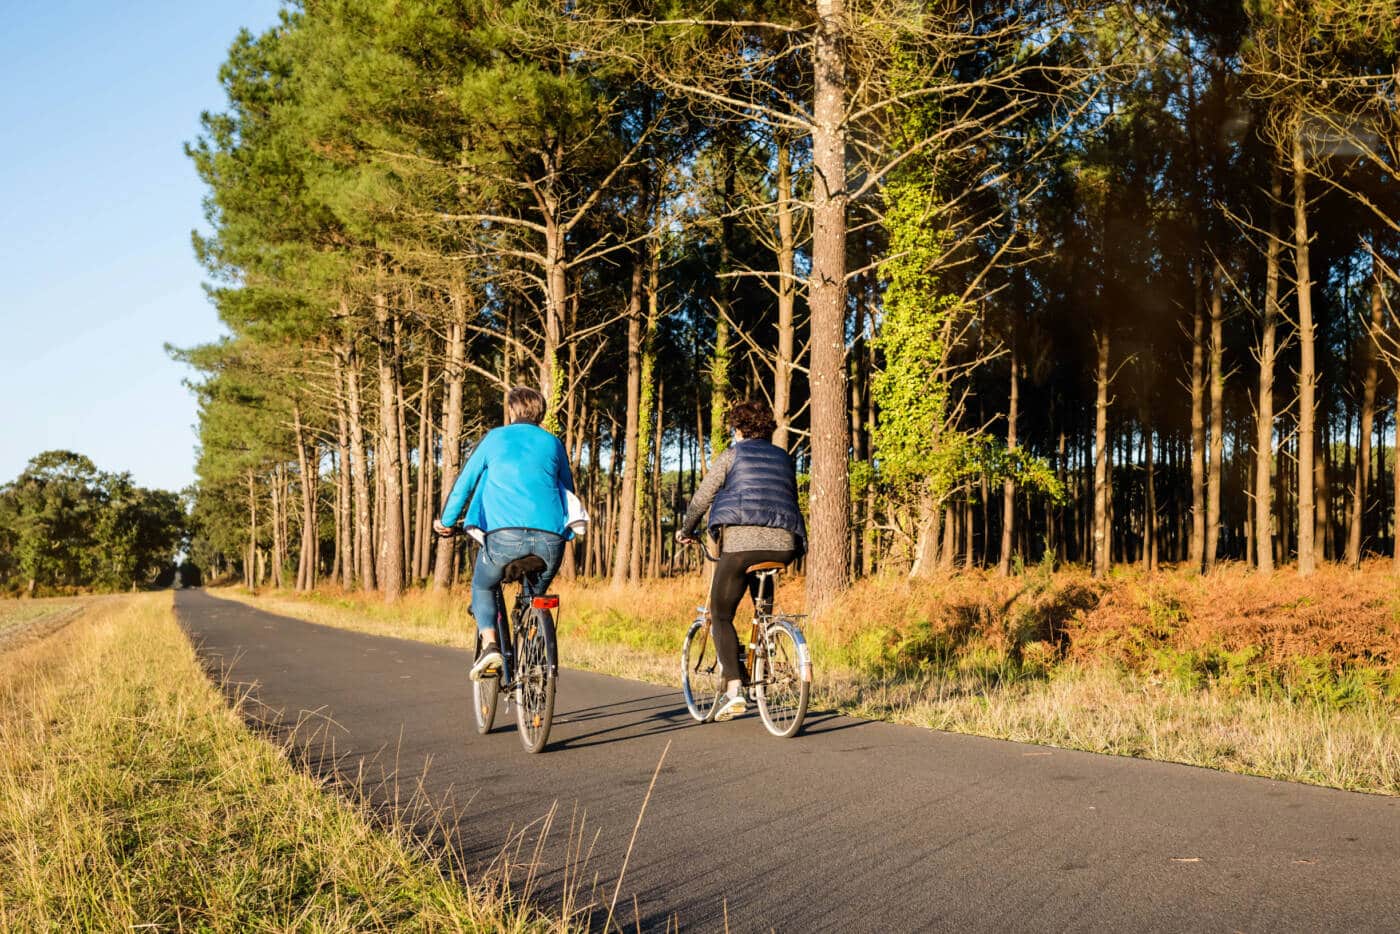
777, 661
530, 669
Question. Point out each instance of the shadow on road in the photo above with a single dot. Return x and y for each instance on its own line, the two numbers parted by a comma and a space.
655, 714
640, 718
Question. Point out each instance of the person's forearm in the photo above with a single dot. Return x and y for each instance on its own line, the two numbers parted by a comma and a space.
705, 495
462, 489
456, 501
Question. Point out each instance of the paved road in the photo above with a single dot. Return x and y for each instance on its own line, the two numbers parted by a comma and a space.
855, 826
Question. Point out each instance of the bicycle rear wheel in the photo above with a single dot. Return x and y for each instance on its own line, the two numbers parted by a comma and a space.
535, 677
485, 693
782, 678
702, 680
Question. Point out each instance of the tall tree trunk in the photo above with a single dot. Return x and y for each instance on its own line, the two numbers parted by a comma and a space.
444, 562
1362, 478
627, 505
826, 298
871, 552
391, 530
345, 545
405, 476
310, 536
1008, 486
277, 561
724, 302
648, 431
1307, 371
250, 569
654, 500
556, 296
363, 532
1217, 421
338, 555
1264, 430
1198, 427
787, 293
1102, 535
1395, 482
422, 505
1059, 525
1149, 524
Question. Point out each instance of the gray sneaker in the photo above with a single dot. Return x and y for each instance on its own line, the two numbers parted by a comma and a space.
731, 707
489, 664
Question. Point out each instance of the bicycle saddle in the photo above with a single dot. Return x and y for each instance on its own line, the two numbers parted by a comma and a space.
517, 569
764, 566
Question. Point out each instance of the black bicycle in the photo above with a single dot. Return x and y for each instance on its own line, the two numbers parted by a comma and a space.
529, 672
776, 660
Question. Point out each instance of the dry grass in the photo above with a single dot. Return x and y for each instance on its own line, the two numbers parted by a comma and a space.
131, 796
1268, 676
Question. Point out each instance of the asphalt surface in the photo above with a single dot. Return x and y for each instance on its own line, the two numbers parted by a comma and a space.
853, 826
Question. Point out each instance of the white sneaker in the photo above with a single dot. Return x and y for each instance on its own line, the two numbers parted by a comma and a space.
488, 665
731, 707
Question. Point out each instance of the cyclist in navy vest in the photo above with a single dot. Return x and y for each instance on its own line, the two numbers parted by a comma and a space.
751, 493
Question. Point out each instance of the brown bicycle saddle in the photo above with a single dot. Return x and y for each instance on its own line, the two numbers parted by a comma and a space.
764, 566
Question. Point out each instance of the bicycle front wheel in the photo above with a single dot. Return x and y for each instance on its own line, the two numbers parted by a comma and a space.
783, 679
485, 693
702, 680
535, 676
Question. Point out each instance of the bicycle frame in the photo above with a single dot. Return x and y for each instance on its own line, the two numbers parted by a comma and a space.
507, 621
763, 617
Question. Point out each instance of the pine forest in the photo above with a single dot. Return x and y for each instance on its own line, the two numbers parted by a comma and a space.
1023, 282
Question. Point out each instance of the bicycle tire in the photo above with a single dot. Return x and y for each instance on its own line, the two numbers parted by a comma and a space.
486, 693
535, 678
702, 680
782, 679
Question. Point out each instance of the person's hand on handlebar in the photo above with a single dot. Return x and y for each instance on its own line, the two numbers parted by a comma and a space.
683, 539
443, 530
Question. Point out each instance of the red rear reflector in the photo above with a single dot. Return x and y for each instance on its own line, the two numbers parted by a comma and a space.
545, 603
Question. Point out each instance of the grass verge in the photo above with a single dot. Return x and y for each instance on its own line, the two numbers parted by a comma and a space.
1234, 674
132, 797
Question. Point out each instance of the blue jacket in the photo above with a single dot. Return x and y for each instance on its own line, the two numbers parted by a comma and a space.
760, 489
515, 479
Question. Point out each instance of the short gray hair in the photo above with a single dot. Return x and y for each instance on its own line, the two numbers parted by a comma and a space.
524, 404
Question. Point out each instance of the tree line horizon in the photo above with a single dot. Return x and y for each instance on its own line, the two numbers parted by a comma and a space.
1084, 282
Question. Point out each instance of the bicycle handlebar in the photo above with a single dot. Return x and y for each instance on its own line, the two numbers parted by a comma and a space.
704, 549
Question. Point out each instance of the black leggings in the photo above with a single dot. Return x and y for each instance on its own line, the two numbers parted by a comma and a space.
725, 593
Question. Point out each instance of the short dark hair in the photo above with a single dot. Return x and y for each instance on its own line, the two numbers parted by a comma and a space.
752, 419
524, 404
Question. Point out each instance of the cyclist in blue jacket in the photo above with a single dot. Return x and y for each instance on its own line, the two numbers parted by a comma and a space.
514, 487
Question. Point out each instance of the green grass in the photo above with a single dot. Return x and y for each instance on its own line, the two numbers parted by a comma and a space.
132, 797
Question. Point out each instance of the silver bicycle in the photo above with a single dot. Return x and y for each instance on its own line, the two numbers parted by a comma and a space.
775, 659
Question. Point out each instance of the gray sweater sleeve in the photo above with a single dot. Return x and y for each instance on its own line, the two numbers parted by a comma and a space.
708, 489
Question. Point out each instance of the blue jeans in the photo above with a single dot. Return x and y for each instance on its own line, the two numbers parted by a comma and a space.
502, 548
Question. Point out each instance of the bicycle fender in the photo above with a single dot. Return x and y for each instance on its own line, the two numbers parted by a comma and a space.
551, 642
804, 653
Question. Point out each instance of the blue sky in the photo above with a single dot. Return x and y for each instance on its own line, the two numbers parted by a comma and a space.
97, 201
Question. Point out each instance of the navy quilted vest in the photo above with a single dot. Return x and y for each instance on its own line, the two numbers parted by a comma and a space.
759, 489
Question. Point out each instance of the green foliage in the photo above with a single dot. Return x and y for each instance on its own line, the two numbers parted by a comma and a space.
923, 452
65, 524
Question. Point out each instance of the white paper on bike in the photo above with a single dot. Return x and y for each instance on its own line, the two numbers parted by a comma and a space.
577, 521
